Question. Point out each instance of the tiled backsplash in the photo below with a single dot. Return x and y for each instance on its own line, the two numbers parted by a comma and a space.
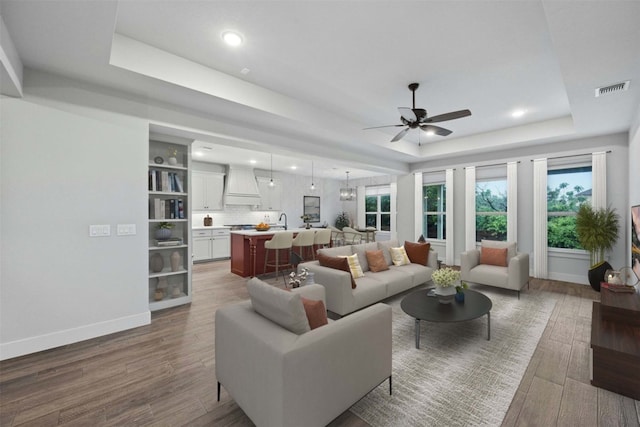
235, 215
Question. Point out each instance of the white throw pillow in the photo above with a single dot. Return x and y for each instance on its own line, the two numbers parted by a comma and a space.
354, 266
399, 256
281, 307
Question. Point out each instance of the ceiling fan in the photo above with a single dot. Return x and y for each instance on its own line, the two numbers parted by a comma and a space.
414, 118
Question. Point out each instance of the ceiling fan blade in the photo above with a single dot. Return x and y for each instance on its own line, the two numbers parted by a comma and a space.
436, 129
400, 135
408, 114
448, 116
386, 126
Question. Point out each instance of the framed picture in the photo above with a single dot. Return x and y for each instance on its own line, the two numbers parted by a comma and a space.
635, 239
312, 208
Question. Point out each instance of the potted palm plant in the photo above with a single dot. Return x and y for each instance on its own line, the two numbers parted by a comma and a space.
597, 231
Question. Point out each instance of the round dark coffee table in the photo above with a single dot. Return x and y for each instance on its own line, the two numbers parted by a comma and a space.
423, 307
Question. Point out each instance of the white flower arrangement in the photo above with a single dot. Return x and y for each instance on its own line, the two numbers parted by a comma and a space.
445, 277
295, 280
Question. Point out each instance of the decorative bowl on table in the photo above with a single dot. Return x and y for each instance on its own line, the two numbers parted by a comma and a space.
263, 227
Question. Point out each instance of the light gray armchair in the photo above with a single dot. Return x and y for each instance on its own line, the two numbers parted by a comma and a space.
514, 276
280, 378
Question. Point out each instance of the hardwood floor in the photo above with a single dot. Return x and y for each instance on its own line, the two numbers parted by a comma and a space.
163, 374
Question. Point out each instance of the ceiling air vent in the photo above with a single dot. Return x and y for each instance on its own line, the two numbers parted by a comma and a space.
618, 87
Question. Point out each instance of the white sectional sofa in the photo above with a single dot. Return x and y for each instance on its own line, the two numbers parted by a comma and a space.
284, 379
373, 287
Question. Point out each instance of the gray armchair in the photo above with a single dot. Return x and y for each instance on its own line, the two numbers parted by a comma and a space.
514, 276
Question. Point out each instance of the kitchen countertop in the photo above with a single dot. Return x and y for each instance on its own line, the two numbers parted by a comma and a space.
268, 232
211, 227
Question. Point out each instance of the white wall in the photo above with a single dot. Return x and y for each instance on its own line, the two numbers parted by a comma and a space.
62, 171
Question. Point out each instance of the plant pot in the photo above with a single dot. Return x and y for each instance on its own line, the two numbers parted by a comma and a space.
596, 274
163, 233
445, 294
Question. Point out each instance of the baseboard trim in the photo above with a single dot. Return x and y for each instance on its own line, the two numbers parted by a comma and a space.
573, 278
30, 345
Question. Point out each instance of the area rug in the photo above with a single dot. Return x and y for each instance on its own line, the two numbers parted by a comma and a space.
458, 377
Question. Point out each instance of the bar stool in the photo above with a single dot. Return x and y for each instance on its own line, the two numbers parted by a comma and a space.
304, 241
322, 239
279, 242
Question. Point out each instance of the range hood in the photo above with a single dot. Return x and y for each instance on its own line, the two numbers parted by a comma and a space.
241, 187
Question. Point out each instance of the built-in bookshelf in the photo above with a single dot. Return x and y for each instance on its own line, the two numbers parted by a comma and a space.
169, 224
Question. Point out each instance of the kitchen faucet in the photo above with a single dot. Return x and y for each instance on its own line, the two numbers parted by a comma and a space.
285, 219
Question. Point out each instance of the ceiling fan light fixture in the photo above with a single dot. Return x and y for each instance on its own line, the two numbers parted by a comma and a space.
414, 118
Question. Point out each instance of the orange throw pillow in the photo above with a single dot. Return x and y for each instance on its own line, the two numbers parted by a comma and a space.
337, 263
493, 256
418, 253
316, 313
376, 261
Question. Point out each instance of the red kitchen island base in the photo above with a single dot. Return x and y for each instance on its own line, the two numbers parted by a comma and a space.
247, 252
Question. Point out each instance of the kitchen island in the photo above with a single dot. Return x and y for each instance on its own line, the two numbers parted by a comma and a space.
247, 251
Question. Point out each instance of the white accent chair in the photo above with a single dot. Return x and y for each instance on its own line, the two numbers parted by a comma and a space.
282, 379
322, 239
514, 276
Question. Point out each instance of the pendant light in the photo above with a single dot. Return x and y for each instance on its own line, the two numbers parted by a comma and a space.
271, 184
313, 186
347, 193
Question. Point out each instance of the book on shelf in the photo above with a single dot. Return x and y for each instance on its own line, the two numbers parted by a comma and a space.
179, 187
173, 241
180, 209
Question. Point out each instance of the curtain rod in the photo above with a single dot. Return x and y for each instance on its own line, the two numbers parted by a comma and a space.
572, 155
495, 164
443, 170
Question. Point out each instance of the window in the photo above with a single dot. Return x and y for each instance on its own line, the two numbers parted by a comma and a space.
491, 209
434, 212
377, 204
567, 189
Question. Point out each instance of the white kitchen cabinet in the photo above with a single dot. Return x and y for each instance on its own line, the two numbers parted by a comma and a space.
207, 190
211, 244
271, 197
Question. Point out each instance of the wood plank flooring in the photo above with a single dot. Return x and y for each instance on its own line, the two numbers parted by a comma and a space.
163, 374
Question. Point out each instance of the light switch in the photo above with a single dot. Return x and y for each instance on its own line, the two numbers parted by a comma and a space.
126, 229
103, 230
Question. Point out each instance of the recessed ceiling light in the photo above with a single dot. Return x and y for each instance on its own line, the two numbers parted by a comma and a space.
253, 162
518, 113
232, 38
294, 167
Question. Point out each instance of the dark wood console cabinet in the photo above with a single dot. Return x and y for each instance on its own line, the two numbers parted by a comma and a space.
615, 343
